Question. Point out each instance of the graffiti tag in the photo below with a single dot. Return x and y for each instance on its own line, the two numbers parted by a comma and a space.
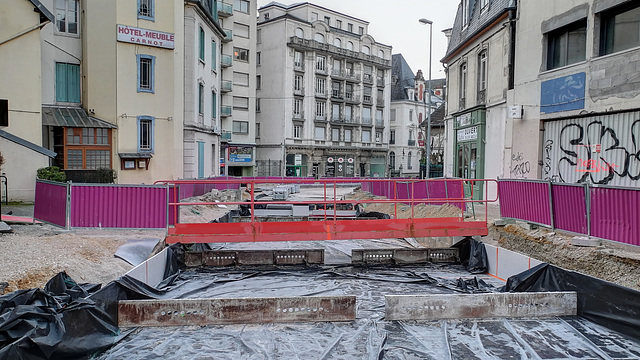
519, 167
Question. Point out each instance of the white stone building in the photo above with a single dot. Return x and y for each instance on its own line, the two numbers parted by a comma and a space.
324, 95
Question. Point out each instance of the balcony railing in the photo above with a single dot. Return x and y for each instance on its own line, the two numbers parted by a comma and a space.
367, 78
337, 118
337, 95
228, 35
380, 102
366, 121
225, 110
226, 136
226, 61
226, 85
379, 123
224, 10
306, 44
298, 66
411, 143
298, 91
367, 99
298, 116
321, 118
322, 70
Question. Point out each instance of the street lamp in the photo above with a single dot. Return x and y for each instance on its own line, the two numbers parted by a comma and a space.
427, 144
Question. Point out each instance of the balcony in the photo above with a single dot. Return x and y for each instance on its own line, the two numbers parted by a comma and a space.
312, 45
367, 121
322, 70
337, 95
321, 94
380, 102
298, 65
351, 97
320, 118
367, 99
224, 10
226, 136
411, 143
226, 61
298, 91
336, 118
225, 111
354, 120
367, 78
298, 116
228, 35
379, 123
226, 85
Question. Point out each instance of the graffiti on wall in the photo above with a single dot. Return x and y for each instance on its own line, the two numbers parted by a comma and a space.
520, 167
594, 151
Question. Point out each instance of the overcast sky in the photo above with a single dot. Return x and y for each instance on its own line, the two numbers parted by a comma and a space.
396, 23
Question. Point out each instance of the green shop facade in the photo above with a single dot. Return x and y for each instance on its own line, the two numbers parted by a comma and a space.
469, 147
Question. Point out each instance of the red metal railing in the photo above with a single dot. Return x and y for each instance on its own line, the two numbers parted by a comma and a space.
330, 226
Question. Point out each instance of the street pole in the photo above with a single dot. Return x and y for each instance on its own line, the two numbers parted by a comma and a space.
427, 144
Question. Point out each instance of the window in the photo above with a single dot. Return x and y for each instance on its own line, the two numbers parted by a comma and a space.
314, 16
67, 16
335, 112
409, 162
463, 83
145, 133
214, 57
258, 36
319, 133
4, 112
335, 134
366, 136
299, 33
350, 27
392, 137
366, 115
241, 54
483, 4
465, 12
337, 42
567, 45
214, 105
482, 71
379, 116
241, 30
240, 79
378, 136
620, 28
258, 82
392, 115
327, 20
319, 38
146, 64
392, 160
336, 90
339, 24
349, 68
349, 45
360, 30
257, 104
411, 115
241, 5
297, 83
240, 127
320, 86
320, 110
321, 63
297, 131
93, 152
201, 99
241, 103
348, 91
348, 111
201, 53
366, 50
67, 82
297, 108
298, 59
367, 94
259, 58
381, 54
347, 135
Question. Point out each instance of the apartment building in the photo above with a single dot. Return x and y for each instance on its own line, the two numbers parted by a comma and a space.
203, 39
480, 74
238, 88
324, 94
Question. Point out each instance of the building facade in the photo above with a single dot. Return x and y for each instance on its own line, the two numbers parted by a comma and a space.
480, 75
202, 80
324, 95
238, 87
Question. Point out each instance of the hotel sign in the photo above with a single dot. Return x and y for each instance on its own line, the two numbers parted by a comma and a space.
134, 35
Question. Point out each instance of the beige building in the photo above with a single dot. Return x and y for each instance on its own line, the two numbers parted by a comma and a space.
238, 87
324, 95
20, 96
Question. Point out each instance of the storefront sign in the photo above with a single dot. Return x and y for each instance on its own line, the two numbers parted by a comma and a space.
298, 160
147, 37
240, 154
330, 160
464, 120
340, 160
468, 134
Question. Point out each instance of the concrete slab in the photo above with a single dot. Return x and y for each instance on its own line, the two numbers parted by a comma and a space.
403, 256
4, 228
480, 306
254, 257
585, 241
187, 312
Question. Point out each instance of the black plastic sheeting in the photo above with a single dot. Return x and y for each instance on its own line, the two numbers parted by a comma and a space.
610, 305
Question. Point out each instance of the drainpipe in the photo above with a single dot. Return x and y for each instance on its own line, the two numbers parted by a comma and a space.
513, 9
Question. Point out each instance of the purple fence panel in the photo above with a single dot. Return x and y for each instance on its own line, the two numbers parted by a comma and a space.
615, 214
403, 190
118, 206
51, 203
570, 208
525, 200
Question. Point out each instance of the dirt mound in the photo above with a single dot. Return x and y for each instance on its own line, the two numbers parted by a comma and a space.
404, 210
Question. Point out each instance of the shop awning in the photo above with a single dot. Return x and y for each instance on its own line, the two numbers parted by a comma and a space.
73, 117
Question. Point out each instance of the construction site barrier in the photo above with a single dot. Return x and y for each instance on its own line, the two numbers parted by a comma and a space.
606, 212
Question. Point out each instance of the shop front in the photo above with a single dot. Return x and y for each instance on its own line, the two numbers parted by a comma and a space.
470, 148
340, 166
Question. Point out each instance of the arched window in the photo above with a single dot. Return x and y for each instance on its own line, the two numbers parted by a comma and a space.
319, 38
409, 163
337, 42
381, 54
349, 45
299, 33
392, 160
366, 50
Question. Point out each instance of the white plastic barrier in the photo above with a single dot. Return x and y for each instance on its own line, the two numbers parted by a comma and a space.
151, 272
505, 263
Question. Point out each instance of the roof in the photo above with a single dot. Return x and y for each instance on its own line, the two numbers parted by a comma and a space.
437, 117
478, 21
402, 77
135, 155
294, 5
27, 144
45, 14
72, 117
